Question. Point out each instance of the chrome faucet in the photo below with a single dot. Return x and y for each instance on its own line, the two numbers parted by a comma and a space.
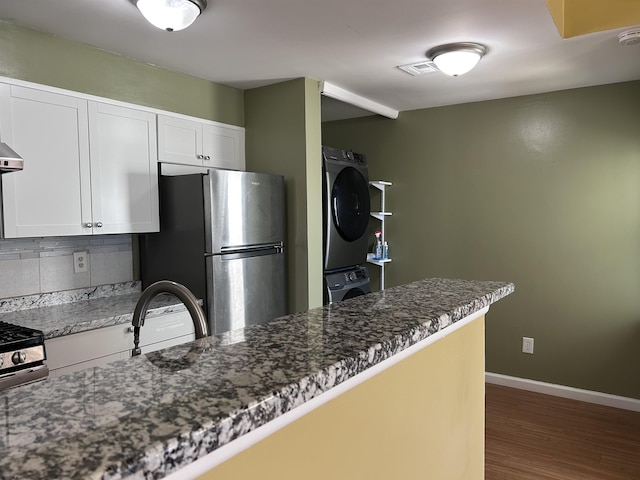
183, 294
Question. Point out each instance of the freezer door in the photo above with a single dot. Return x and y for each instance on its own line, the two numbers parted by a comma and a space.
243, 208
246, 288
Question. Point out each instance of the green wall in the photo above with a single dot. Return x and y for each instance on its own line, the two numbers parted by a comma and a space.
283, 132
541, 190
38, 57
283, 136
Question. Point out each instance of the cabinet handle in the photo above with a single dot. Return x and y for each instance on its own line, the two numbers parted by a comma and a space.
199, 157
207, 157
88, 225
99, 224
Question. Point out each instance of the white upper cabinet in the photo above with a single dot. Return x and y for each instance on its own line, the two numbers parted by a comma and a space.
200, 143
124, 172
91, 164
89, 168
179, 141
52, 194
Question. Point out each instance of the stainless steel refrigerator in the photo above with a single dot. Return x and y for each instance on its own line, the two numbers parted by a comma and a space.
222, 236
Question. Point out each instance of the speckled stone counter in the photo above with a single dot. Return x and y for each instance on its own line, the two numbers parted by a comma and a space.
75, 311
151, 415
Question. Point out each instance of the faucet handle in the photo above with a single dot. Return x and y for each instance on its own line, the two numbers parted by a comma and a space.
136, 341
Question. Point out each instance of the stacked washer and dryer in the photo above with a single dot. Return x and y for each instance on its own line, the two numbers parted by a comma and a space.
346, 209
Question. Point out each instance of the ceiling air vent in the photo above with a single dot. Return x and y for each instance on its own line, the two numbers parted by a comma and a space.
419, 68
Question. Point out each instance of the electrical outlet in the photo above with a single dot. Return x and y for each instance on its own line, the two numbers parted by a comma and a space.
527, 345
80, 262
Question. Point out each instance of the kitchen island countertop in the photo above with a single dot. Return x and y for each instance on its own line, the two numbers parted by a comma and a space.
151, 415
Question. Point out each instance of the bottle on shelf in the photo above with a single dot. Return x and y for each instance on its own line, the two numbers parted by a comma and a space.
378, 252
385, 251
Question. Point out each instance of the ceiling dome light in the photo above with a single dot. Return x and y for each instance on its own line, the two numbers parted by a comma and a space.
630, 37
456, 58
171, 15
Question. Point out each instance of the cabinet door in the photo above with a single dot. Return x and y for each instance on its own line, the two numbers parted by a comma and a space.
88, 346
108, 344
222, 147
179, 141
51, 195
166, 330
124, 171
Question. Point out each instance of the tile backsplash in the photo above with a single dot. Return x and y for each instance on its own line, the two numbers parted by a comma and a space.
41, 265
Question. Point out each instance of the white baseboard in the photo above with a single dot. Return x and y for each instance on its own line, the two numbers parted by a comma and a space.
565, 392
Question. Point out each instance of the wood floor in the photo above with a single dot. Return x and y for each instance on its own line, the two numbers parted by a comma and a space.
534, 436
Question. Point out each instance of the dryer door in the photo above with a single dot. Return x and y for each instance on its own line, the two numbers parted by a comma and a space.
350, 204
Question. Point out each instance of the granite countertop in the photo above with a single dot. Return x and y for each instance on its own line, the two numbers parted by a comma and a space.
87, 309
151, 415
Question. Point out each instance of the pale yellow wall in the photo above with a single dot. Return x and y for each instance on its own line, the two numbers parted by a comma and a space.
580, 17
422, 419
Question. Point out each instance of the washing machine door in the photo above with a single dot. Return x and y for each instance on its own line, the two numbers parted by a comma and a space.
350, 204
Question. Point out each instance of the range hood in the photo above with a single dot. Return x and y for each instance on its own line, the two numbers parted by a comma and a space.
10, 161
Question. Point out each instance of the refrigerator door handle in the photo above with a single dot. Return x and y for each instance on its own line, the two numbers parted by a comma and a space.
250, 254
252, 248
234, 253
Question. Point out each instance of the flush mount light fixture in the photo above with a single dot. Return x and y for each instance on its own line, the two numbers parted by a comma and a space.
630, 37
171, 15
456, 58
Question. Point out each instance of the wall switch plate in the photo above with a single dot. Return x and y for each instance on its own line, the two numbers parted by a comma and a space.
527, 345
80, 262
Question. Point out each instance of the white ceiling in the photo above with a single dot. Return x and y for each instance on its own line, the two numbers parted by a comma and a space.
355, 44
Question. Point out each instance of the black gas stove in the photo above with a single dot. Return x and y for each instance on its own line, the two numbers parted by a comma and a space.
22, 355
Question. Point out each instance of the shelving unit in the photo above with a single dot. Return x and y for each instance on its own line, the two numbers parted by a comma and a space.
381, 216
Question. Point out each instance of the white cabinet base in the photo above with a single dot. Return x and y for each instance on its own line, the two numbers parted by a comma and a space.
98, 347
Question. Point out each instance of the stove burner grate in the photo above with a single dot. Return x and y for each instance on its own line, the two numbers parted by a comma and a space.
22, 355
16, 336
